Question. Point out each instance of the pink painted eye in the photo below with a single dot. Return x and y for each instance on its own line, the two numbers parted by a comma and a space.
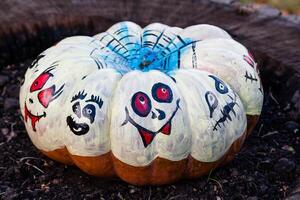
141, 104
162, 93
46, 96
251, 55
39, 82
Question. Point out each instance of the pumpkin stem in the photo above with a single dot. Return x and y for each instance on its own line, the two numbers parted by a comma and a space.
145, 63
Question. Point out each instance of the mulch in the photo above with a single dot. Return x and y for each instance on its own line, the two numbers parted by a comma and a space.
267, 167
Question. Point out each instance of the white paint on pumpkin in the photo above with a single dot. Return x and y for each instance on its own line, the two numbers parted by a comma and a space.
88, 110
225, 58
191, 131
204, 32
63, 73
210, 139
127, 143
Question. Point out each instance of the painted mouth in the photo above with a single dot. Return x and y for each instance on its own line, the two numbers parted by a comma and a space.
33, 118
147, 135
227, 109
77, 128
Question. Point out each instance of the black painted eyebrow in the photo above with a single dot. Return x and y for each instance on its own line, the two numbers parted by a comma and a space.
81, 95
95, 99
36, 60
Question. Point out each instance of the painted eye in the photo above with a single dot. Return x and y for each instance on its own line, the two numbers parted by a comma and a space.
76, 109
39, 82
141, 104
45, 96
219, 85
162, 93
89, 111
249, 60
211, 101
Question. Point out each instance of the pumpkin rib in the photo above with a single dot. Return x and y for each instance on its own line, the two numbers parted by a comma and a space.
101, 166
185, 79
128, 132
251, 123
160, 172
203, 32
61, 155
229, 64
197, 168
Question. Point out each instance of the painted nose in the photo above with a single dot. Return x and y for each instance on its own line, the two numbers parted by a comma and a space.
154, 116
159, 114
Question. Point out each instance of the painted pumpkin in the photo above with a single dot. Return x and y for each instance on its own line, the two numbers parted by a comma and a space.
149, 105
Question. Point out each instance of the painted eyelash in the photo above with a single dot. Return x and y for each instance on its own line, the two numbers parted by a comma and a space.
96, 99
80, 95
250, 77
36, 60
53, 65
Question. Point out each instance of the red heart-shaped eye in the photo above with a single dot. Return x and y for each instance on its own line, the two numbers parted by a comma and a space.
141, 104
40, 81
45, 96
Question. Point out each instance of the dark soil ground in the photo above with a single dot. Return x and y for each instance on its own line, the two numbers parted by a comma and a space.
266, 168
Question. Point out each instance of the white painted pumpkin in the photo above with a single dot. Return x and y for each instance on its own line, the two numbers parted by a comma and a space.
136, 95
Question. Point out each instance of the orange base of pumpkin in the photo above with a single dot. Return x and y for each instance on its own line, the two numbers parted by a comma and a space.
161, 171
96, 165
251, 123
60, 155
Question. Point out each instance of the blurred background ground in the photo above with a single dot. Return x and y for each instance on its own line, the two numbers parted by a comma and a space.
286, 6
268, 166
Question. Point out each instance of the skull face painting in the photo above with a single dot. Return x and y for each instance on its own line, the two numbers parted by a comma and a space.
228, 108
249, 76
83, 108
44, 91
43, 95
141, 105
236, 66
149, 119
87, 121
216, 113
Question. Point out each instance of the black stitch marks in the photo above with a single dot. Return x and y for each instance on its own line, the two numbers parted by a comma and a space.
250, 77
227, 109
